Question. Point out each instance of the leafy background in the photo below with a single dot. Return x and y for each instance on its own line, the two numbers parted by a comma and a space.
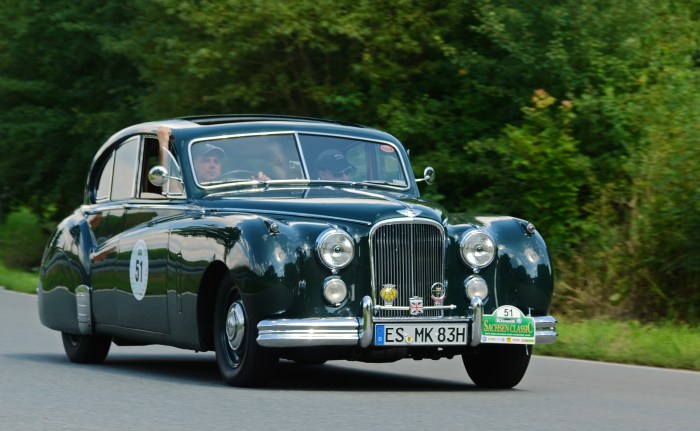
582, 117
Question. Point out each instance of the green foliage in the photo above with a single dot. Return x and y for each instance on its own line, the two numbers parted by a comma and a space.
648, 248
22, 239
61, 95
546, 171
19, 280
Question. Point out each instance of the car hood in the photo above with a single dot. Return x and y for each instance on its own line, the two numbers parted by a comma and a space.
353, 205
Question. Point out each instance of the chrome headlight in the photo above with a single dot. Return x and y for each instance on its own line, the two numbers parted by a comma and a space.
477, 248
335, 291
476, 286
335, 248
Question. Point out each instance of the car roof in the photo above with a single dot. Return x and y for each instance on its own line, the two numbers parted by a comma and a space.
188, 128
204, 126
243, 118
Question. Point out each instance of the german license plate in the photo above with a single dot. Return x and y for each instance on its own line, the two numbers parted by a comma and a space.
416, 334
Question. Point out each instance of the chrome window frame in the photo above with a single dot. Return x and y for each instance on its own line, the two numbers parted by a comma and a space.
297, 141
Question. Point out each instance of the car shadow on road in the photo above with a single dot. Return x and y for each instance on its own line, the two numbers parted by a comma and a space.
202, 371
329, 377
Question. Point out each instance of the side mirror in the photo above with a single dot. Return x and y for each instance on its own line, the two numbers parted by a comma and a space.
428, 176
158, 175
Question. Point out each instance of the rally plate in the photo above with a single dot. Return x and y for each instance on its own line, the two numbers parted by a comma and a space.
416, 334
507, 325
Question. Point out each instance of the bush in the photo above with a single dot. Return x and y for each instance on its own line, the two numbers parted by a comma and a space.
22, 239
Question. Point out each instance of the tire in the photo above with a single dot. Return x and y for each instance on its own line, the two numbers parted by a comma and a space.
241, 361
497, 366
86, 349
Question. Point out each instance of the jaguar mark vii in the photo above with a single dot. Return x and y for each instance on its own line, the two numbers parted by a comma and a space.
269, 237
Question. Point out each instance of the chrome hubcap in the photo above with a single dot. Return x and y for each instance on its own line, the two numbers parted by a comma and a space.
235, 325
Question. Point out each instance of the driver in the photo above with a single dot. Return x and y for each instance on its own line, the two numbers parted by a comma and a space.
207, 158
207, 162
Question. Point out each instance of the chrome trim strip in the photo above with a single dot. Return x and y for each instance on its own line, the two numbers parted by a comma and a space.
288, 213
99, 207
164, 206
367, 323
300, 150
378, 196
545, 329
545, 337
477, 310
427, 320
84, 308
337, 331
429, 307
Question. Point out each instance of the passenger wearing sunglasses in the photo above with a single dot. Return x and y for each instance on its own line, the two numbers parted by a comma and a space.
333, 166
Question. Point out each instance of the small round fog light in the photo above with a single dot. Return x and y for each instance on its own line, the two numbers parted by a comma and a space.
476, 286
335, 291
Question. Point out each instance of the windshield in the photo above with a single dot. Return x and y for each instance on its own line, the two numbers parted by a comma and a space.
289, 157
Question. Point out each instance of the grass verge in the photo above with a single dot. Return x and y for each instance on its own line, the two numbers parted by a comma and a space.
668, 345
14, 279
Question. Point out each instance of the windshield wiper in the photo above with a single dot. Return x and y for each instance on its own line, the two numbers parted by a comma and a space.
384, 183
237, 182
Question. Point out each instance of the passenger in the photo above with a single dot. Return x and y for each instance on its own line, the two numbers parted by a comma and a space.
333, 166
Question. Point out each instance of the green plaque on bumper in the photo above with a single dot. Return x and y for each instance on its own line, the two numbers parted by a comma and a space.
507, 325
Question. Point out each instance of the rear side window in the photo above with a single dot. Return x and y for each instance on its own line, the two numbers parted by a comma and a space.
126, 163
104, 187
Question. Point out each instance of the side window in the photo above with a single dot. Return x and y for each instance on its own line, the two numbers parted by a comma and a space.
125, 168
152, 157
104, 187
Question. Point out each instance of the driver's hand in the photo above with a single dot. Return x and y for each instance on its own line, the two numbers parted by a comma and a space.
260, 177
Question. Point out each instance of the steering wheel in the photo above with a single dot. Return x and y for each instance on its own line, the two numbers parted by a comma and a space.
238, 174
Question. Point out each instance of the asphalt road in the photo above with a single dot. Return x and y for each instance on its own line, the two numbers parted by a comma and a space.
154, 388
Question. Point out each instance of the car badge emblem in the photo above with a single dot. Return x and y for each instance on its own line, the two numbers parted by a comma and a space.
416, 306
438, 293
388, 293
409, 211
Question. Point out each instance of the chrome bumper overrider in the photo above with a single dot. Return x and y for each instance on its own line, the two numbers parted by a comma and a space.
351, 331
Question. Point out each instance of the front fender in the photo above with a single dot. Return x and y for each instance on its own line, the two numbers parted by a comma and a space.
522, 273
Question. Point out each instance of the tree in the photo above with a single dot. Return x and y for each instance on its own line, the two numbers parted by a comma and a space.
61, 96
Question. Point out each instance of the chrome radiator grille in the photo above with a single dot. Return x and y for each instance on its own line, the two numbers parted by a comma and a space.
409, 254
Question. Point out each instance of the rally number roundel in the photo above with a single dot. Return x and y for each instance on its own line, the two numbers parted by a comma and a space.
138, 270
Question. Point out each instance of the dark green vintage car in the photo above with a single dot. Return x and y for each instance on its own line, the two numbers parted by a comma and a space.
265, 237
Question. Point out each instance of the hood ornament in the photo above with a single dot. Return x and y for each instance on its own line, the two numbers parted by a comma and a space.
409, 211
438, 292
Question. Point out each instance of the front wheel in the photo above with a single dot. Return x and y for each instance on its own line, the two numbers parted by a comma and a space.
86, 349
497, 366
241, 361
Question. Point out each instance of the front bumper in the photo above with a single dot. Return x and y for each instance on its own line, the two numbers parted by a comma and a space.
351, 331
